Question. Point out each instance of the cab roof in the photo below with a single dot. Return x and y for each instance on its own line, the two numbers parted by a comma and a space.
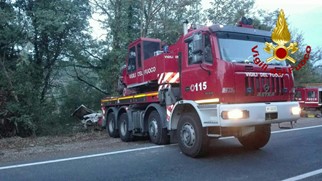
236, 29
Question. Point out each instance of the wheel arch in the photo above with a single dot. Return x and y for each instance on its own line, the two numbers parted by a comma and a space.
120, 111
159, 109
109, 110
179, 109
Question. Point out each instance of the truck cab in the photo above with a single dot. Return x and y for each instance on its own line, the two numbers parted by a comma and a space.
145, 63
218, 62
309, 97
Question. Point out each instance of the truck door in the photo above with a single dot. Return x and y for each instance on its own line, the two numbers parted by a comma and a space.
131, 66
139, 63
197, 73
134, 68
300, 96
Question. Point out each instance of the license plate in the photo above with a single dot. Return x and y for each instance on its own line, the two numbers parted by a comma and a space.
271, 108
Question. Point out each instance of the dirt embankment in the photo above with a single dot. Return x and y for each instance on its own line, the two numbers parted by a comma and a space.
52, 147
17, 148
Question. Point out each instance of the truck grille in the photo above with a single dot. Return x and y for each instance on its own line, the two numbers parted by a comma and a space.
265, 86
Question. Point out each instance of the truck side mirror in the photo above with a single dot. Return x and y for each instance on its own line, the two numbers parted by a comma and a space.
197, 44
197, 58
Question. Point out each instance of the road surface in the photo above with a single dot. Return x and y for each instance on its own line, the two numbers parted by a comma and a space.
290, 154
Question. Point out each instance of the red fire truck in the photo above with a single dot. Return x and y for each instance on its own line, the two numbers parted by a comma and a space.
310, 99
204, 86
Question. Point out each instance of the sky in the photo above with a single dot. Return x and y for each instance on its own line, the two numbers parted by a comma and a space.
303, 15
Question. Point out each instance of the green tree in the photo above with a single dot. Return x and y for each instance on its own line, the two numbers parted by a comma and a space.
265, 20
37, 35
228, 12
306, 73
12, 35
55, 26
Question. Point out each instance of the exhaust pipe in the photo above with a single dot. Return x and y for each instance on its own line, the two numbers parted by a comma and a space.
185, 27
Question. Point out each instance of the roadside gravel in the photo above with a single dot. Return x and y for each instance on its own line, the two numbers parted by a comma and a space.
49, 147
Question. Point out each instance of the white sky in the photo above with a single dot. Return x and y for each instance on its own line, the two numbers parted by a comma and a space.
303, 15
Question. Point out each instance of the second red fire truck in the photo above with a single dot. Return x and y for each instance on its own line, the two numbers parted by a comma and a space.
204, 86
310, 99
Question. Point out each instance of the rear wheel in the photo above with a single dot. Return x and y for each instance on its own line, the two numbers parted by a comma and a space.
111, 125
124, 132
257, 139
157, 133
192, 137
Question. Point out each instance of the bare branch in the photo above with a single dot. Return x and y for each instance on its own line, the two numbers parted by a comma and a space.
95, 56
86, 82
157, 9
83, 66
102, 8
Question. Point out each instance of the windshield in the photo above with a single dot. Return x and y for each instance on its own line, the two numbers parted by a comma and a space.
240, 50
298, 94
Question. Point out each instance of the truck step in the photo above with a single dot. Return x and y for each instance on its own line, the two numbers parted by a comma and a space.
283, 126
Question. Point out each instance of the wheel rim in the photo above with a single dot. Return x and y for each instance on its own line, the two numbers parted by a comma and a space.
123, 128
153, 128
188, 135
111, 126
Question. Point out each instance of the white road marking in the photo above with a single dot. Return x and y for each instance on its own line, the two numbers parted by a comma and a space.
305, 175
297, 129
124, 151
80, 157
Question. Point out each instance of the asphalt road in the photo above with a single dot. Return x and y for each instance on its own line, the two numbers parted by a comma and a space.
288, 155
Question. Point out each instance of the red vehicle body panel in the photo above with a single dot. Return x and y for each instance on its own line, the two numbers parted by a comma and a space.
309, 97
152, 67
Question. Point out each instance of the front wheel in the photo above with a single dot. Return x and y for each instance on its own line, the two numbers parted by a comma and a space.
125, 134
192, 137
257, 139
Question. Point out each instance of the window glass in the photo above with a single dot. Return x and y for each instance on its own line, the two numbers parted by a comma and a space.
149, 48
138, 51
196, 57
238, 49
207, 50
311, 94
190, 54
298, 94
131, 63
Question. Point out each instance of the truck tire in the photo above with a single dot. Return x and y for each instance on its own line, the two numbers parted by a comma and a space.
124, 132
111, 125
258, 139
158, 134
192, 137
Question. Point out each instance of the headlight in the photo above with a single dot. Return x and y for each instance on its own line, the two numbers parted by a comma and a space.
296, 110
235, 114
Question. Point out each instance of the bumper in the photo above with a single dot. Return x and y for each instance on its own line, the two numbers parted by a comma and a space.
257, 113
